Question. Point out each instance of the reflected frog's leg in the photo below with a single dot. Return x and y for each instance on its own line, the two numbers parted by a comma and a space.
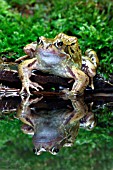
72, 120
88, 122
24, 70
72, 135
80, 109
24, 111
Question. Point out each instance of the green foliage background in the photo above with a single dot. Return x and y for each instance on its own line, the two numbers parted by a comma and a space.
22, 22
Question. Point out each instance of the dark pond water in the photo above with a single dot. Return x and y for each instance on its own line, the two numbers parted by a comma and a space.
56, 133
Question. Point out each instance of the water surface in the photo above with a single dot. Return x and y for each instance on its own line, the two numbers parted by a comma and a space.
92, 147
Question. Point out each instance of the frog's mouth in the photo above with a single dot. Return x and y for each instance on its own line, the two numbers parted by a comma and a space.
51, 56
46, 137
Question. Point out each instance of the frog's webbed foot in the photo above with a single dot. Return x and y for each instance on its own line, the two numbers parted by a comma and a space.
28, 101
35, 86
30, 84
24, 70
69, 94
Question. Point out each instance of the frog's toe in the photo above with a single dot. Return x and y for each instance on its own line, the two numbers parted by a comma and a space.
35, 86
66, 91
70, 93
22, 91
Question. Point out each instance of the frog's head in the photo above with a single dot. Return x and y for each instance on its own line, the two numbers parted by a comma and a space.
47, 139
52, 51
51, 138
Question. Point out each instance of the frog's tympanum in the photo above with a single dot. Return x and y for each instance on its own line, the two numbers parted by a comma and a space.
52, 125
60, 56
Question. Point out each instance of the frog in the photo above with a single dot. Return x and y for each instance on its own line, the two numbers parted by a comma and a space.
60, 56
29, 49
90, 61
51, 127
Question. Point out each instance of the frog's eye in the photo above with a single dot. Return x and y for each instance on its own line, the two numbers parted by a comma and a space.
93, 59
54, 150
59, 44
39, 41
36, 151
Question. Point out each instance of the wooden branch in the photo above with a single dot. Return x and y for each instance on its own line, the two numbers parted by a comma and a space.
9, 78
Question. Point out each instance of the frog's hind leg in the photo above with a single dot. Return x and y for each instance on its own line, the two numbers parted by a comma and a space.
24, 71
81, 81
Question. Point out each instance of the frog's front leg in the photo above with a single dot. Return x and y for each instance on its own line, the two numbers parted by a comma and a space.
24, 70
81, 81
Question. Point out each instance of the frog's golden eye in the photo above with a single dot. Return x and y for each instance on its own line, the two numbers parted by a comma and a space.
59, 44
39, 41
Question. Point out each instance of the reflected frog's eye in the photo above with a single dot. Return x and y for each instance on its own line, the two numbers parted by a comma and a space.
36, 151
54, 150
39, 41
59, 44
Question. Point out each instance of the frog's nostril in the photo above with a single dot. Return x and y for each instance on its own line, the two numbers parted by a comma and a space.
50, 45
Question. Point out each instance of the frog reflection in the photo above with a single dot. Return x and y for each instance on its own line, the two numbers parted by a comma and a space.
52, 125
